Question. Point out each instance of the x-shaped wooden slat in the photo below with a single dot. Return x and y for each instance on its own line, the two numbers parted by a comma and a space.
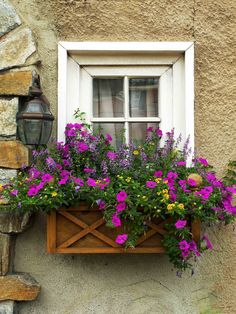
86, 229
154, 229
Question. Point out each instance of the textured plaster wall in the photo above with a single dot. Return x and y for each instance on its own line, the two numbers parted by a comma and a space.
140, 284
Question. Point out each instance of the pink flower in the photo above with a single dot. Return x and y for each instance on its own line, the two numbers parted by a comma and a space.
116, 220
203, 161
63, 180
34, 173
208, 242
89, 170
101, 204
180, 224
91, 182
185, 253
82, 147
14, 192
151, 184
47, 177
111, 155
158, 174
122, 238
108, 137
120, 207
159, 132
33, 190
183, 245
192, 182
150, 129
121, 196
181, 163
78, 181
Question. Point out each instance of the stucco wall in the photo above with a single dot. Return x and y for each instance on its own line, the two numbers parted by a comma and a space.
140, 284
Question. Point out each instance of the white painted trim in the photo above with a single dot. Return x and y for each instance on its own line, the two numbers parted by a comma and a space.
62, 92
126, 46
137, 119
189, 94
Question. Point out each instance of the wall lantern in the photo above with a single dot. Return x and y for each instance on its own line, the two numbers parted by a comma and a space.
34, 121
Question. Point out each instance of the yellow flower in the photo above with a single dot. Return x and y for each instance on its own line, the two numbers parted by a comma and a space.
165, 181
144, 197
166, 196
181, 206
158, 180
136, 152
165, 191
54, 194
1, 188
158, 193
128, 180
170, 207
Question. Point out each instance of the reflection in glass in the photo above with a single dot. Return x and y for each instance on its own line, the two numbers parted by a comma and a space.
138, 131
108, 97
143, 97
116, 130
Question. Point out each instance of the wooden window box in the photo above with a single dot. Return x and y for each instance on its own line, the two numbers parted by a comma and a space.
81, 229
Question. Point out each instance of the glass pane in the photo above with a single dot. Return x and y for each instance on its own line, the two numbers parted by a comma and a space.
143, 97
108, 97
138, 131
116, 130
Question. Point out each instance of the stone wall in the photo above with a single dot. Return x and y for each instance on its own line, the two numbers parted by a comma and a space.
17, 59
130, 284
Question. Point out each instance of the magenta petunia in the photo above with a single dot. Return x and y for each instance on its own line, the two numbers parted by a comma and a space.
91, 182
89, 170
121, 238
181, 163
47, 177
158, 174
151, 184
111, 155
192, 182
208, 242
183, 245
120, 207
180, 224
101, 204
82, 147
63, 181
121, 196
150, 129
159, 132
116, 220
78, 181
108, 137
14, 192
34, 173
33, 190
203, 161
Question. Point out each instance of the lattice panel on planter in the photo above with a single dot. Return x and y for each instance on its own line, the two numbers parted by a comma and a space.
82, 229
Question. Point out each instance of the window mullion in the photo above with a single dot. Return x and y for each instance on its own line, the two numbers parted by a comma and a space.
126, 108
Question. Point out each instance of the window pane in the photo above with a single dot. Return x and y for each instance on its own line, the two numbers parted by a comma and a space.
143, 97
138, 131
108, 97
116, 130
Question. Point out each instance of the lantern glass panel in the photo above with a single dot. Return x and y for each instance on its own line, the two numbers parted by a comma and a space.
34, 107
32, 130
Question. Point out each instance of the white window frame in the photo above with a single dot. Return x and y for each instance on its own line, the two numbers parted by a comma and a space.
73, 55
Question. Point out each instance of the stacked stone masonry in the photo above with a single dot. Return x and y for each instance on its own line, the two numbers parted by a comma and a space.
18, 56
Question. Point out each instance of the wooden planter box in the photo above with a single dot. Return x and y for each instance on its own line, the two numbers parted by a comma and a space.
82, 229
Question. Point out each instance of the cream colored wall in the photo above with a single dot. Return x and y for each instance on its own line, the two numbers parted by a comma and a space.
140, 284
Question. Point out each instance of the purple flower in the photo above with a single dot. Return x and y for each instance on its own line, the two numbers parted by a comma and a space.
70, 132
203, 161
180, 224
183, 245
111, 155
47, 177
151, 184
63, 181
82, 147
120, 207
181, 163
158, 174
192, 182
185, 253
65, 173
14, 192
34, 173
50, 162
121, 196
89, 170
33, 190
121, 239
204, 193
108, 137
78, 181
172, 175
208, 242
101, 204
116, 220
150, 129
231, 189
91, 182
159, 132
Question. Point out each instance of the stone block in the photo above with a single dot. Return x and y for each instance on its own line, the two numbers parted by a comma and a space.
8, 18
8, 307
16, 48
7, 243
6, 175
15, 83
12, 222
13, 154
8, 110
18, 287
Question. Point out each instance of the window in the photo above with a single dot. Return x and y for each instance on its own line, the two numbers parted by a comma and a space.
127, 86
